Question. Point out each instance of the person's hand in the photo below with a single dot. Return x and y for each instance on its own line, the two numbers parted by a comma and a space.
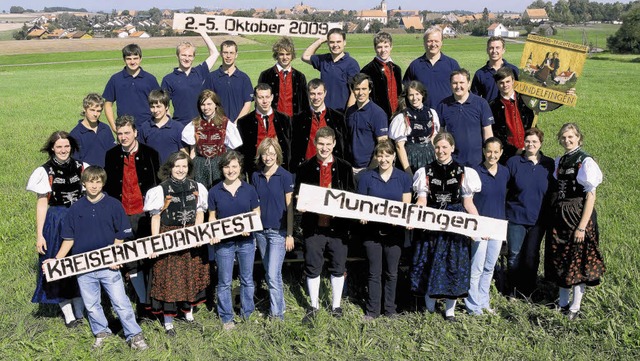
578, 235
214, 240
288, 243
571, 91
48, 260
115, 267
363, 221
153, 255
41, 245
486, 238
246, 234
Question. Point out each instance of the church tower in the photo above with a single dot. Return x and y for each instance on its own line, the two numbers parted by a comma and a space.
383, 6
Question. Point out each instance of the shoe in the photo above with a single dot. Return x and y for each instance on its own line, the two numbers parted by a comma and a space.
137, 342
310, 315
572, 316
368, 318
450, 319
100, 337
337, 312
229, 326
171, 332
563, 309
489, 311
73, 324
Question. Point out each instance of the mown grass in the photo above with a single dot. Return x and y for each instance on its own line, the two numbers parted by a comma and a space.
38, 99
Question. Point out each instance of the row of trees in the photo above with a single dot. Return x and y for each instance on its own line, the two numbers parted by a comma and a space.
581, 11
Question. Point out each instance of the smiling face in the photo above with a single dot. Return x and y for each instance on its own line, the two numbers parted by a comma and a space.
383, 50
126, 136
263, 101
208, 108
569, 140
158, 111
459, 86
93, 187
324, 148
316, 96
269, 157
532, 145
433, 43
62, 149
385, 160
415, 98
336, 44
495, 50
231, 171
506, 86
180, 169
361, 91
492, 153
186, 54
443, 150
132, 62
284, 58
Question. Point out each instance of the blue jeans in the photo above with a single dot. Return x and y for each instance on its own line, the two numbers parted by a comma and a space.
484, 257
111, 281
524, 256
226, 253
271, 244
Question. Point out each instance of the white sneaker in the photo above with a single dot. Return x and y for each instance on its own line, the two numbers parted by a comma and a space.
137, 342
100, 337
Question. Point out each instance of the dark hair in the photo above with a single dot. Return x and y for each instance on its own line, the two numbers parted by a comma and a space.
229, 156
503, 73
262, 86
337, 31
325, 132
385, 146
495, 38
219, 116
92, 172
461, 71
492, 140
159, 96
125, 120
535, 131
165, 170
359, 78
314, 83
229, 43
53, 138
382, 37
284, 43
131, 49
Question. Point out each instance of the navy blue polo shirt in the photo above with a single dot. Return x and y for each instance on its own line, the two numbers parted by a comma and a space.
465, 122
273, 206
336, 76
528, 186
184, 91
131, 94
234, 90
93, 145
490, 201
365, 126
372, 184
434, 77
226, 204
166, 140
483, 83
97, 225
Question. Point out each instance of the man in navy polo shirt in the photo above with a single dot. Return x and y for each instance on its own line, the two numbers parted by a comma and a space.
466, 116
433, 68
232, 85
93, 222
305, 124
288, 84
336, 68
94, 137
161, 132
129, 88
367, 124
185, 83
483, 83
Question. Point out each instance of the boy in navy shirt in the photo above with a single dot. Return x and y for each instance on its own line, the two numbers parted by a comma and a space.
161, 132
93, 222
94, 138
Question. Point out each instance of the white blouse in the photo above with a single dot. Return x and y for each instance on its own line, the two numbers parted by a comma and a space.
154, 200
232, 137
470, 183
589, 175
398, 130
39, 180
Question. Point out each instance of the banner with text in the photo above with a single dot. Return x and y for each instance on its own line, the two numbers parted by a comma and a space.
337, 203
549, 68
240, 25
168, 242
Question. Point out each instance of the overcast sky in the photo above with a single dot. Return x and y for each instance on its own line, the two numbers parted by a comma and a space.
471, 5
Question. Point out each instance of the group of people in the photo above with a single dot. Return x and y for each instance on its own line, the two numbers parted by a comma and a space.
431, 137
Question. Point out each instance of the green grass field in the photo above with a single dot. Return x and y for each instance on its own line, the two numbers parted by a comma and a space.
43, 93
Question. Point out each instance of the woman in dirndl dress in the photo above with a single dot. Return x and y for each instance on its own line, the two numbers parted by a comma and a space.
413, 128
178, 280
575, 255
208, 137
441, 260
57, 185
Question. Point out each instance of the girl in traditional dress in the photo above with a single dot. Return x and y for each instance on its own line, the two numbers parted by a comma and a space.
57, 185
178, 280
575, 255
413, 129
209, 136
441, 262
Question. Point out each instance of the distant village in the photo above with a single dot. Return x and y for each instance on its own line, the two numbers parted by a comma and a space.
158, 22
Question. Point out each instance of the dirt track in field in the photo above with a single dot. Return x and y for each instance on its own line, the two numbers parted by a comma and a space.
13, 47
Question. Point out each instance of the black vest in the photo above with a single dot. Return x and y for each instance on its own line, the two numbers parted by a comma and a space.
64, 179
180, 202
567, 174
445, 183
421, 124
